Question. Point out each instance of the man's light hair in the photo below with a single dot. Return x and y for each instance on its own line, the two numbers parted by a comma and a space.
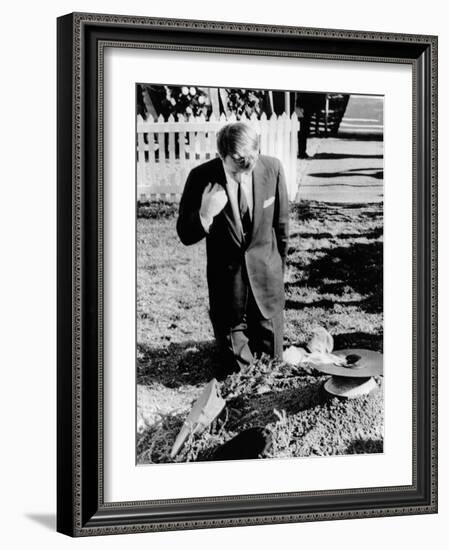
241, 142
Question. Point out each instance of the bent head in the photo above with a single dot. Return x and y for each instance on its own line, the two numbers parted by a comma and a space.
238, 147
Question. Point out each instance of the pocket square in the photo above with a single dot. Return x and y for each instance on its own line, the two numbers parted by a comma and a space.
267, 203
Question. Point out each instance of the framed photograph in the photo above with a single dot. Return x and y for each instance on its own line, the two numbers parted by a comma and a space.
247, 271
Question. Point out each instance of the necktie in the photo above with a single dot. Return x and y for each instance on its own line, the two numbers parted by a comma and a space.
244, 211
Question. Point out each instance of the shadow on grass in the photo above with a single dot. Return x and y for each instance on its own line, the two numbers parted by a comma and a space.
338, 156
357, 136
323, 303
186, 363
363, 172
358, 267
371, 234
365, 446
362, 340
320, 211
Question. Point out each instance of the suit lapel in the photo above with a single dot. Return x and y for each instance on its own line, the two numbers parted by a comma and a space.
258, 177
235, 226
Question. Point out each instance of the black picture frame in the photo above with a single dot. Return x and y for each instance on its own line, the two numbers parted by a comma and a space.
81, 509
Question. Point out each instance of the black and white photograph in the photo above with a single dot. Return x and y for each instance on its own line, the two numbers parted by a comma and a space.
259, 286
220, 297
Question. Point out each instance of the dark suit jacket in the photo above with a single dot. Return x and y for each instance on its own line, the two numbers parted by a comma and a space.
264, 254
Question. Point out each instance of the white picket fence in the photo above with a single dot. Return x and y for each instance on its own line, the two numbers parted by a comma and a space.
164, 159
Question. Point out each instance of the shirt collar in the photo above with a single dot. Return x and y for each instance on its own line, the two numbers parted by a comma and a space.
244, 177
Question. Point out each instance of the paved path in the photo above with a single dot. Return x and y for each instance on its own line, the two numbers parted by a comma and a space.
363, 115
343, 170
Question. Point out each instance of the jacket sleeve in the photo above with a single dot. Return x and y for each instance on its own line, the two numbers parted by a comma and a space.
189, 227
280, 219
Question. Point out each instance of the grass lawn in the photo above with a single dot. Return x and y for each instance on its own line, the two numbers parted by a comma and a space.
334, 280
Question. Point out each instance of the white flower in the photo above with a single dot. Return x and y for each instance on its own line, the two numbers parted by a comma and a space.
173, 101
321, 341
294, 355
192, 90
184, 90
201, 100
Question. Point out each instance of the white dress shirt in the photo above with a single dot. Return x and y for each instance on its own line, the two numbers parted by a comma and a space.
232, 185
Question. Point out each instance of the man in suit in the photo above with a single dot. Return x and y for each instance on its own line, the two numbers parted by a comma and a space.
239, 202
307, 105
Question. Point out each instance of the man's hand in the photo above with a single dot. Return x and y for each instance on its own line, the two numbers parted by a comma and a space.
213, 201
